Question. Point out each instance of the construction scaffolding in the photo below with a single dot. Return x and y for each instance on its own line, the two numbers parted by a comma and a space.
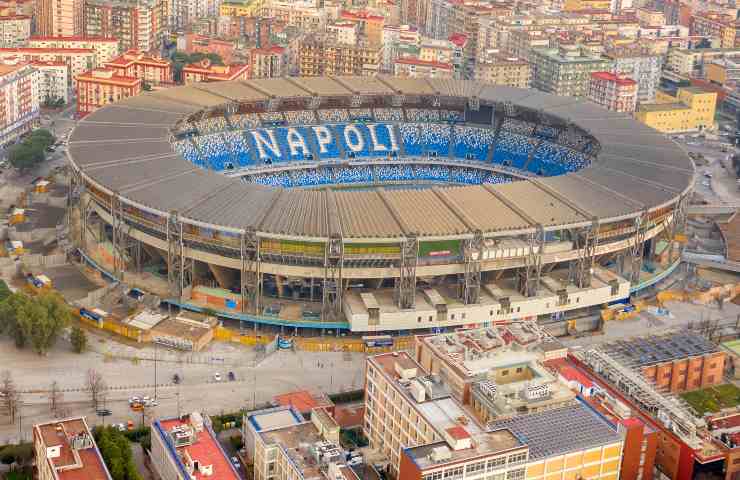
406, 286
179, 266
251, 276
667, 410
332, 287
473, 255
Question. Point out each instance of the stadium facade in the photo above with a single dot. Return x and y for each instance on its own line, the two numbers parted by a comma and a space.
300, 199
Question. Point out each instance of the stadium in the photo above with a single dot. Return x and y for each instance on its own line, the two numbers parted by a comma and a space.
375, 204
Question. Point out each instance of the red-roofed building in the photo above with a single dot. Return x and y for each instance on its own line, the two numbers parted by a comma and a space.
371, 26
204, 71
304, 401
415, 68
155, 71
269, 62
187, 449
102, 86
613, 91
66, 450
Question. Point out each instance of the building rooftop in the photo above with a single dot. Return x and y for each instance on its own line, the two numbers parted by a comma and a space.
205, 449
650, 350
298, 441
71, 450
275, 418
73, 38
560, 430
483, 444
663, 107
612, 77
303, 400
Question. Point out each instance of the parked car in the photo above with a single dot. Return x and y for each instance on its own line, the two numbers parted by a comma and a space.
176, 379
121, 427
217, 377
232, 377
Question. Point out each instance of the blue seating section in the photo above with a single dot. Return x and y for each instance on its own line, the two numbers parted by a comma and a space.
239, 144
435, 138
512, 149
437, 173
473, 143
411, 139
394, 172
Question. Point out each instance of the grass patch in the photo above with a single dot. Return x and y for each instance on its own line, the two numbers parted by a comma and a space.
713, 399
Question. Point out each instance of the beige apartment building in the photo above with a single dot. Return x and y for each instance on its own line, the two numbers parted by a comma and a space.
14, 31
319, 55
502, 70
59, 17
106, 49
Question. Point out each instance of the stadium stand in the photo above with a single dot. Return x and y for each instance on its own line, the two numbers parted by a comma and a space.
213, 147
546, 132
550, 159
188, 150
211, 125
410, 138
245, 121
394, 172
335, 115
517, 126
451, 116
472, 143
438, 173
239, 147
512, 149
300, 117
422, 115
435, 139
360, 115
358, 174
388, 115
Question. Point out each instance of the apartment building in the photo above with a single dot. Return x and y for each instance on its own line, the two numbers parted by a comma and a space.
319, 55
724, 72
587, 5
613, 91
682, 64
395, 40
186, 448
413, 420
566, 71
417, 68
53, 78
14, 31
196, 43
641, 65
59, 17
268, 62
691, 109
153, 71
370, 26
205, 71
241, 8
721, 26
77, 60
305, 16
65, 450
106, 49
102, 86
136, 24
502, 70
19, 100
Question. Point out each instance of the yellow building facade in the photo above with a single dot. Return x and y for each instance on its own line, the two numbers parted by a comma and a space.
595, 463
692, 109
248, 8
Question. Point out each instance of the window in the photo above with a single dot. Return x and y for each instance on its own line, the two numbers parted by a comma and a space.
474, 468
496, 463
515, 474
517, 459
504, 373
518, 369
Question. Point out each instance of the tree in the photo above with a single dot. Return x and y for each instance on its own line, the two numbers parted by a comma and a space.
78, 337
95, 386
116, 451
25, 156
4, 291
37, 321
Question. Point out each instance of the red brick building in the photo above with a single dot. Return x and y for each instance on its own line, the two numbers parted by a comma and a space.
195, 43
613, 92
204, 71
102, 86
155, 71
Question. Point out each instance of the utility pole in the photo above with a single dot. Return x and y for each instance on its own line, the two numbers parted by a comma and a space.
155, 370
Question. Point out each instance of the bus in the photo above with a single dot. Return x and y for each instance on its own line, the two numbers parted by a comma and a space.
378, 341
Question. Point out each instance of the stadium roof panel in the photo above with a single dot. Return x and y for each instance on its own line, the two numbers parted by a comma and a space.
155, 102
456, 88
487, 211
93, 153
423, 213
191, 95
364, 214
589, 196
579, 111
299, 212
658, 153
408, 86
539, 205
542, 101
320, 86
236, 91
167, 194
667, 178
278, 87
498, 93
365, 85
139, 171
105, 132
629, 186
235, 206
128, 115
